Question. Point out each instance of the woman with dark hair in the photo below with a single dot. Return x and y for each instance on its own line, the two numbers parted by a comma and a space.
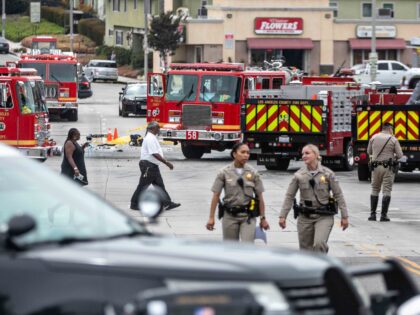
73, 164
243, 187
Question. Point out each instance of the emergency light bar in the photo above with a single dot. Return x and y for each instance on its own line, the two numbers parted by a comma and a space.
4, 71
209, 66
48, 57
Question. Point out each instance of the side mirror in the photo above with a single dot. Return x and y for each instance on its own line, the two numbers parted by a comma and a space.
151, 203
19, 225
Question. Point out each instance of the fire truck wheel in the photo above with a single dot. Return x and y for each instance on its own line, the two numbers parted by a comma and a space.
192, 152
72, 115
363, 172
281, 165
348, 160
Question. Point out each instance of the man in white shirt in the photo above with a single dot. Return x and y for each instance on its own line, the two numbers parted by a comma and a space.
151, 155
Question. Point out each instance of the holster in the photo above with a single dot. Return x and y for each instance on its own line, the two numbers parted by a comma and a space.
296, 209
221, 209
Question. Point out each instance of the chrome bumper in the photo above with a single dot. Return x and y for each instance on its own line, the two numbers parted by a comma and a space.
40, 153
200, 135
61, 105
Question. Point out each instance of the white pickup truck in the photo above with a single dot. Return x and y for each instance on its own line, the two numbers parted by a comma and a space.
389, 73
411, 78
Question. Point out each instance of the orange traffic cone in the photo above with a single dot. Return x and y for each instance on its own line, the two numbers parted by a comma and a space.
115, 133
109, 135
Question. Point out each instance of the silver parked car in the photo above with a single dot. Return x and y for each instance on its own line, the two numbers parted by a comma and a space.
101, 70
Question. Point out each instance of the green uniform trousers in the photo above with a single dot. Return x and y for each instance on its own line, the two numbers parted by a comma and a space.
237, 228
382, 176
313, 232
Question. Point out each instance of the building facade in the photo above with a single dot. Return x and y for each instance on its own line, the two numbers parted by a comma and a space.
317, 36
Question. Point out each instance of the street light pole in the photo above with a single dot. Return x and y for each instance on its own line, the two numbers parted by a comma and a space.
71, 25
3, 18
373, 56
146, 10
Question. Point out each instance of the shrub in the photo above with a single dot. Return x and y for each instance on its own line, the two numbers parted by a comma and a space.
19, 27
16, 6
122, 55
55, 15
92, 28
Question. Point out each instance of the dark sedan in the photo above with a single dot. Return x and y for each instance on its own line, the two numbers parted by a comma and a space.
84, 89
133, 99
4, 46
63, 250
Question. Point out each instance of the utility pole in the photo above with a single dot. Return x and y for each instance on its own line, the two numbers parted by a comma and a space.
3, 18
146, 10
373, 56
71, 25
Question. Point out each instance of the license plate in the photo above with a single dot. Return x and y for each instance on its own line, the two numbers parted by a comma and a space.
284, 139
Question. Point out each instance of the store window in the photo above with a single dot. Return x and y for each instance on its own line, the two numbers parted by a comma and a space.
361, 56
366, 10
119, 39
198, 54
116, 5
334, 6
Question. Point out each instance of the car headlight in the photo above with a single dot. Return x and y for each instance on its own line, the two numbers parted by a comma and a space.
266, 293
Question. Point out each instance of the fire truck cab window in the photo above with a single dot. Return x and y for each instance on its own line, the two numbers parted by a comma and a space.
277, 82
62, 72
25, 97
182, 87
219, 88
5, 97
40, 67
156, 86
39, 98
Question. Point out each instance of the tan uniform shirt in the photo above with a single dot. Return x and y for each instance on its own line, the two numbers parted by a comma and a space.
324, 180
227, 178
391, 149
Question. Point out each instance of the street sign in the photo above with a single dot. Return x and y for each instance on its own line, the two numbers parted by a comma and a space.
35, 12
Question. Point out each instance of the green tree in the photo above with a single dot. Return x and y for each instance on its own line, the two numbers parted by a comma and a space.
164, 35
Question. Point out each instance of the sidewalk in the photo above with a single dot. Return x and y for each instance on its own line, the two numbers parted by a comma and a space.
13, 45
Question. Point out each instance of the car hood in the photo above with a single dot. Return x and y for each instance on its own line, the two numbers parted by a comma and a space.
134, 98
170, 257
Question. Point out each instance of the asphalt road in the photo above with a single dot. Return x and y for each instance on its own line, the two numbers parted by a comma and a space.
7, 57
114, 173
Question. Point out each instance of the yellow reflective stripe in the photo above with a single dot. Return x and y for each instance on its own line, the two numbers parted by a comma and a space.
362, 127
263, 118
374, 126
250, 116
399, 128
294, 125
318, 118
386, 116
413, 125
306, 120
20, 142
271, 111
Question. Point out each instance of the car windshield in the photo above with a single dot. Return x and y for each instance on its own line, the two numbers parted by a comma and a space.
62, 72
136, 90
26, 97
181, 87
40, 67
220, 88
61, 209
103, 64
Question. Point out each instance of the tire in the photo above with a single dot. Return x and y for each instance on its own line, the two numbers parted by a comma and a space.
413, 83
123, 112
281, 165
73, 115
363, 172
348, 160
119, 110
192, 152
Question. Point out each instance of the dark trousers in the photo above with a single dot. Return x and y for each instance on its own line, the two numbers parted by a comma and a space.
150, 174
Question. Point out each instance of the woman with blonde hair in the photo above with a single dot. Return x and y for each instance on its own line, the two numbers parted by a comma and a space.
320, 195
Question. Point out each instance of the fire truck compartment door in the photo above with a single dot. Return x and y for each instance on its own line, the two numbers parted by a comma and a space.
404, 118
282, 115
155, 96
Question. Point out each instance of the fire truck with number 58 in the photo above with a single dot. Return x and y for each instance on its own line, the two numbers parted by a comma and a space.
198, 105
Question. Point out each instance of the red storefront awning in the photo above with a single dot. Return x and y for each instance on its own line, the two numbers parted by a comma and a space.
280, 43
397, 43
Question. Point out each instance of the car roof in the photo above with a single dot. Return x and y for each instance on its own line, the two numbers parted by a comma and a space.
7, 151
103, 60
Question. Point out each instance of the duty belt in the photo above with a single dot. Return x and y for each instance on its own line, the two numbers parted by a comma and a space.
323, 210
387, 163
235, 210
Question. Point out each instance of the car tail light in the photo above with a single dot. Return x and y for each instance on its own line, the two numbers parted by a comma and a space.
85, 84
363, 156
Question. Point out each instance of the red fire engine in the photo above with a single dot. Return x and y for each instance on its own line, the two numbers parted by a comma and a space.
278, 123
199, 105
24, 121
44, 44
60, 75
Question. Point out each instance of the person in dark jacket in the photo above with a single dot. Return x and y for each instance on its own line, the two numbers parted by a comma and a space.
73, 164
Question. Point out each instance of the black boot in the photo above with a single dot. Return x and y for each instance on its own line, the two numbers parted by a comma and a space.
386, 200
373, 206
